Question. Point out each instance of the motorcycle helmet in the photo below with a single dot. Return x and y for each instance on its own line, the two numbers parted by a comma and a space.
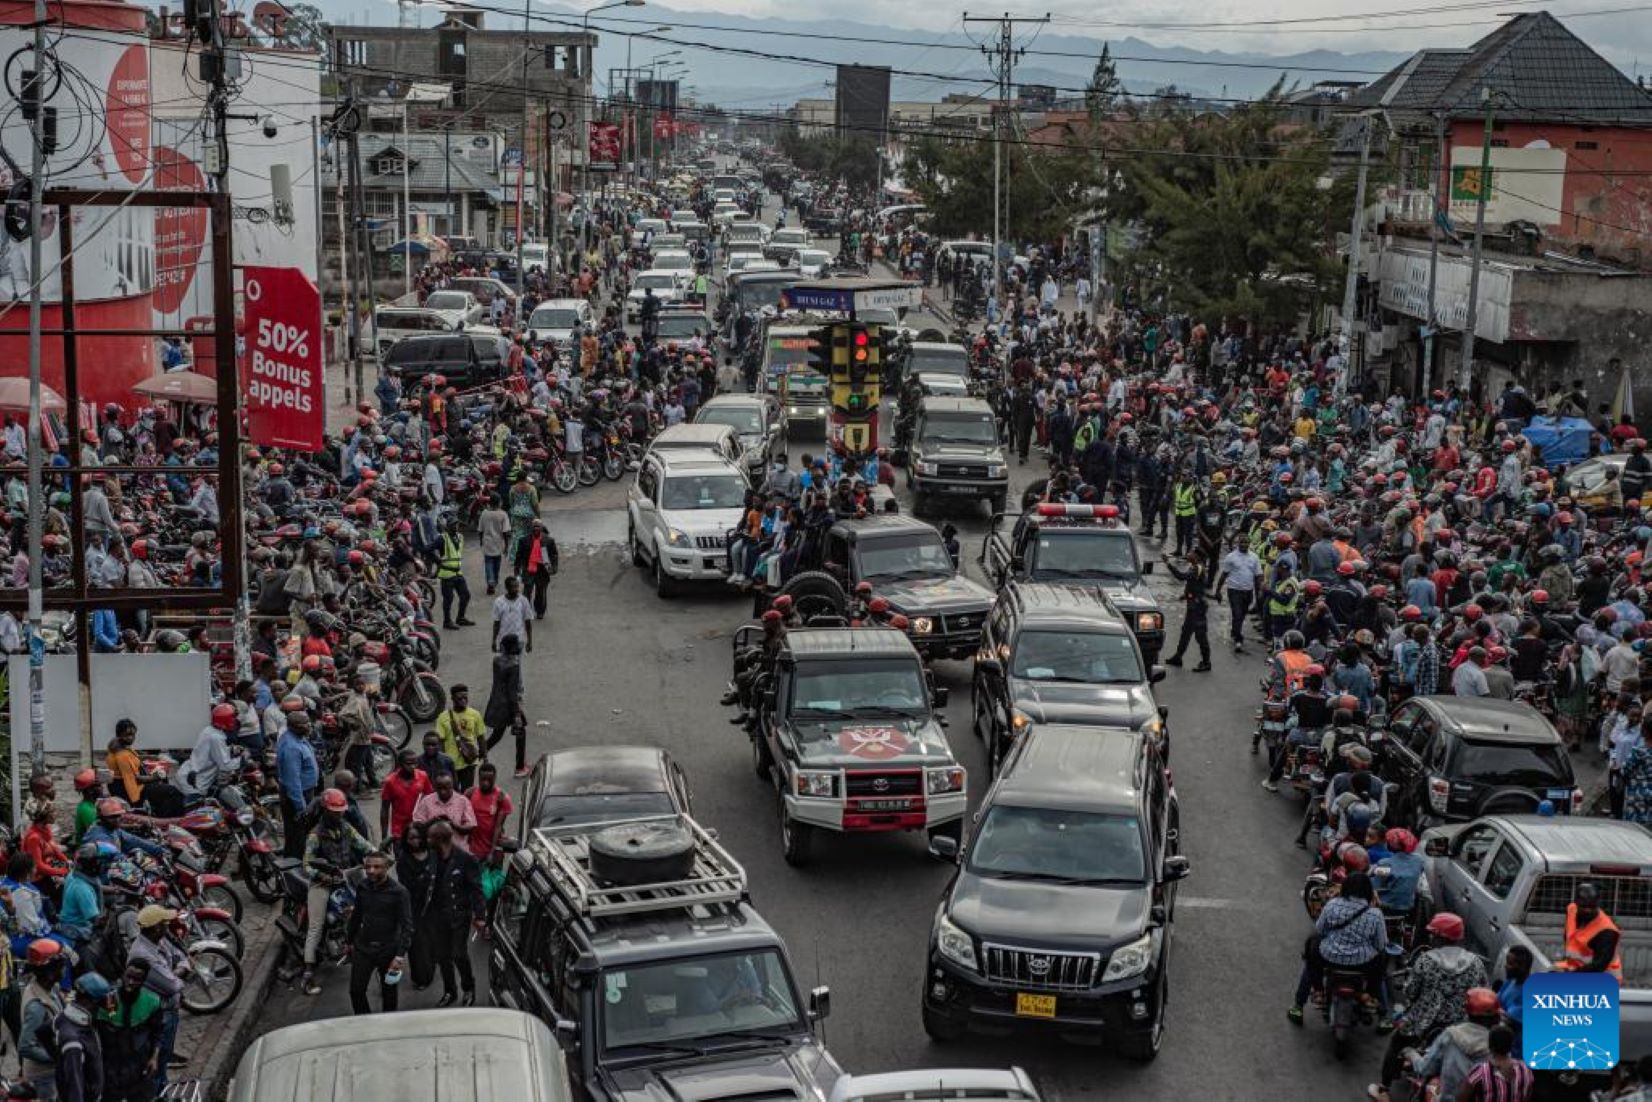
95, 987
1481, 1002
1400, 840
1313, 588
225, 719
898, 622
783, 603
44, 951
312, 663
1353, 856
334, 800
86, 778
1411, 612
277, 470
1446, 926
877, 606
1282, 539
1473, 613
111, 807
1540, 596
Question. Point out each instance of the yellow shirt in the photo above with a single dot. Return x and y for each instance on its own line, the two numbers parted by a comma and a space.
451, 726
1305, 428
126, 765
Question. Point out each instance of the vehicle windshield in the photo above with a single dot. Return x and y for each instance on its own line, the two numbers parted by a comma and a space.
790, 237
697, 1003
1522, 765
447, 300
1034, 843
894, 685
936, 361
1086, 657
757, 293
1080, 554
675, 326
674, 261
600, 807
744, 420
549, 318
813, 258
650, 225
658, 282
970, 428
921, 555
737, 261
703, 491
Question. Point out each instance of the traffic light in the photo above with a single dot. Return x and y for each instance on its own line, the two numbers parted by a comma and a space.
859, 352
820, 350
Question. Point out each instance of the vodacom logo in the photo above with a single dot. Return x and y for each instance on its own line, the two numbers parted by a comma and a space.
254, 290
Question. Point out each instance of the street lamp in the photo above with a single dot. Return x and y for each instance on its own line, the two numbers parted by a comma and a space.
585, 224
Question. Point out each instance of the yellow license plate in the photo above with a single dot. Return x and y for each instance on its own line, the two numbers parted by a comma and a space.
1034, 1006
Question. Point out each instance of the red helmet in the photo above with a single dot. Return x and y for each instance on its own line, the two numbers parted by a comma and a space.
1379, 591
878, 605
773, 616
140, 549
1444, 535
334, 800
356, 558
783, 603
86, 778
277, 470
1400, 840
862, 589
1314, 504
1446, 926
1540, 596
1313, 668
899, 622
1411, 612
311, 663
1354, 858
1345, 703
112, 805
1346, 568
43, 951
1482, 1003
224, 718
1563, 518
1313, 588
1281, 539
1509, 445
1473, 613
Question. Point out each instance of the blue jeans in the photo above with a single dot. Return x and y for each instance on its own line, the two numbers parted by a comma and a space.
490, 570
169, 1038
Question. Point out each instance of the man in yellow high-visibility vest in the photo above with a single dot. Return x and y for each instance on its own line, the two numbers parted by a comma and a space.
450, 572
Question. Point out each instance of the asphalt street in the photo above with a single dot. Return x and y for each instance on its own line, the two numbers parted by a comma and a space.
613, 663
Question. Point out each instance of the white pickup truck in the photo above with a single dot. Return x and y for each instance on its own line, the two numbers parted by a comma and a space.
1511, 877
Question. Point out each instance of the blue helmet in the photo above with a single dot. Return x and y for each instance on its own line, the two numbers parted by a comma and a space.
94, 986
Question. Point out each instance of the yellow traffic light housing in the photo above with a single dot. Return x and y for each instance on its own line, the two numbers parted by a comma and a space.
857, 383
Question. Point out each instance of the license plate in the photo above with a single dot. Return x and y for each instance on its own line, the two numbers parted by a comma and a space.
959, 490
1560, 793
1272, 725
717, 562
1034, 1006
884, 805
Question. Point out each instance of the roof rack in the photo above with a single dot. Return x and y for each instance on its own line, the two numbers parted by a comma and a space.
716, 876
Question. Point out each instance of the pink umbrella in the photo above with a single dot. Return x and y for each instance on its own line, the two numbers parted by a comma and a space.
14, 394
180, 386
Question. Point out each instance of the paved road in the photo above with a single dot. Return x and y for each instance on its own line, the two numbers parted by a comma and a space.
614, 663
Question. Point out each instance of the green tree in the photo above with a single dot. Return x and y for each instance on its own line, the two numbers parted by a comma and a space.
306, 29
1104, 87
1046, 185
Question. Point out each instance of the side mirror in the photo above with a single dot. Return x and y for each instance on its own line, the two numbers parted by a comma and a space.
941, 695
820, 1003
1158, 914
1176, 868
1147, 567
990, 666
943, 847
1156, 674
1378, 722
1437, 847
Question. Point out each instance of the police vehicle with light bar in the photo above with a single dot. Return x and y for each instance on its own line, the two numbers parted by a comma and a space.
1083, 545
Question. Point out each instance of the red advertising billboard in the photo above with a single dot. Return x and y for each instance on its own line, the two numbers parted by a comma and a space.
604, 145
665, 127
281, 375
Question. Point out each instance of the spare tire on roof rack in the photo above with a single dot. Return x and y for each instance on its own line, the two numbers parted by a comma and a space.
816, 593
656, 851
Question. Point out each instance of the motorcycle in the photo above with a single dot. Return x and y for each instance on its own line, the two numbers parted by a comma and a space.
415, 689
293, 922
256, 842
212, 980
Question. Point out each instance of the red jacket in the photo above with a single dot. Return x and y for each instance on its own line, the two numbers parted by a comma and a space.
49, 858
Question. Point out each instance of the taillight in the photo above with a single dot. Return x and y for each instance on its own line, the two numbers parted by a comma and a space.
1577, 801
1439, 794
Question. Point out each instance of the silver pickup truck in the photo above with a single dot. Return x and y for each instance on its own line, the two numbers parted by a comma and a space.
1510, 878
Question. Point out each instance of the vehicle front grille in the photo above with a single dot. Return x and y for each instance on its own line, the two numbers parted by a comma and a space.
873, 785
710, 543
1036, 968
961, 470
962, 622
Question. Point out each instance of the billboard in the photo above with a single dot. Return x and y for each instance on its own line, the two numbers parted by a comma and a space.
660, 94
604, 148
862, 100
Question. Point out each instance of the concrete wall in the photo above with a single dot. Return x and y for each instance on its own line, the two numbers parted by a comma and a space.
1568, 326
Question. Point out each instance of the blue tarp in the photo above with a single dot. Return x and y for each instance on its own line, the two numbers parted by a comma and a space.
1563, 439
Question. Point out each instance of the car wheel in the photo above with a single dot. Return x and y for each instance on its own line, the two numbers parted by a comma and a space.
998, 502
760, 757
795, 837
664, 586
634, 545
941, 1029
1142, 1046
975, 719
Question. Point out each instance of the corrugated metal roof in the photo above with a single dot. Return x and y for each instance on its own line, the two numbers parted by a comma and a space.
1542, 71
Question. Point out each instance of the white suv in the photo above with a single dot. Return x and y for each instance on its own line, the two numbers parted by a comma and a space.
679, 513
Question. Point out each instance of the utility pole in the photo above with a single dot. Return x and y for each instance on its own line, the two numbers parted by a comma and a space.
1482, 190
1003, 54
364, 265
522, 157
1350, 289
407, 206
34, 82
1436, 209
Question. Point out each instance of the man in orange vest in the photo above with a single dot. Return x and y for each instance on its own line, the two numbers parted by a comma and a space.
1591, 937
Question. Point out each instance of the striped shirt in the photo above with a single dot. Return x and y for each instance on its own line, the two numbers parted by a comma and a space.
1510, 1084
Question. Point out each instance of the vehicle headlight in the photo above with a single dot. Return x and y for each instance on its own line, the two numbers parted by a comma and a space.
996, 470
816, 784
922, 625
1019, 721
1130, 960
676, 538
946, 779
955, 945
927, 468
1149, 621
791, 409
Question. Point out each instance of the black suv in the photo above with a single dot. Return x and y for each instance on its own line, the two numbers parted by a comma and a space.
1084, 545
662, 986
1454, 758
1060, 654
907, 563
464, 359
1060, 914
955, 453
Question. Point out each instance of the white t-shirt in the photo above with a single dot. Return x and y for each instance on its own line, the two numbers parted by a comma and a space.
512, 615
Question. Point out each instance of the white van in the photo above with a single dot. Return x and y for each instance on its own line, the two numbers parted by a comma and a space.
473, 1055
536, 255
554, 321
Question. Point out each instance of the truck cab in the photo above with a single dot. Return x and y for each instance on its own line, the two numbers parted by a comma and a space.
663, 988
789, 372
907, 564
846, 731
955, 453
1082, 545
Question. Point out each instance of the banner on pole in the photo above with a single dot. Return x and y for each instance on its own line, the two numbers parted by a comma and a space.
281, 367
604, 151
